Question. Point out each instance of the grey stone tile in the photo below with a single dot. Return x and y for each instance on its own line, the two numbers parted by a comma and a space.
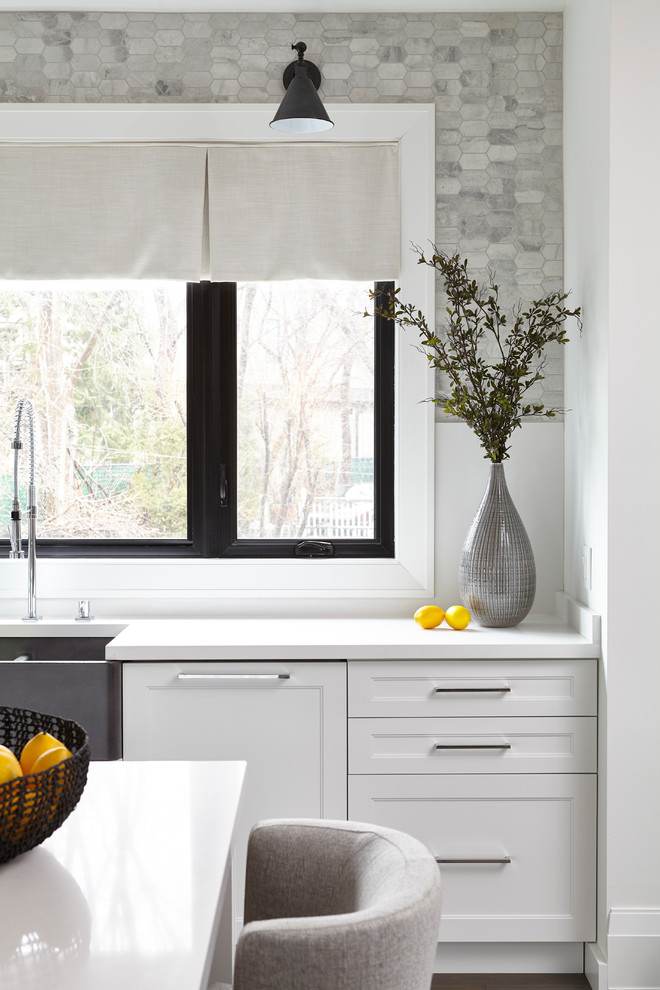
364, 62
168, 20
446, 135
89, 62
392, 87
228, 21
475, 29
197, 29
475, 145
530, 29
364, 46
422, 28
338, 71
447, 38
553, 38
54, 53
140, 28
113, 20
553, 54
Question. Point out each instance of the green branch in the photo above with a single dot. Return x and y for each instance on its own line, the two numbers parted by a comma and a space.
490, 398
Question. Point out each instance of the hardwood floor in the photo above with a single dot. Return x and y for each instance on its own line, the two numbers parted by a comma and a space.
516, 981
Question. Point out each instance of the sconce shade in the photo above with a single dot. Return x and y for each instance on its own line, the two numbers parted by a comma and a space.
301, 110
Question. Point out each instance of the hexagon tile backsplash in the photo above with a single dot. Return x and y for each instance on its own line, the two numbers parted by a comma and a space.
495, 79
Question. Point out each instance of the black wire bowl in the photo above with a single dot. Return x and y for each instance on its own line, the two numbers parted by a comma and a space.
32, 807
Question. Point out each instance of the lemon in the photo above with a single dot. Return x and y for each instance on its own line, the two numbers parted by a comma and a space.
50, 757
429, 616
9, 765
457, 617
35, 747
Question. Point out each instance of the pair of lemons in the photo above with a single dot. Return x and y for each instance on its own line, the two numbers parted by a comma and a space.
39, 753
430, 616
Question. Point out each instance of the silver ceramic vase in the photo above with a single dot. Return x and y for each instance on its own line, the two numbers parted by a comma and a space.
496, 573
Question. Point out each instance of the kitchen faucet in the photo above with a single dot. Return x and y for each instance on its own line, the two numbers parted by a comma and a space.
24, 408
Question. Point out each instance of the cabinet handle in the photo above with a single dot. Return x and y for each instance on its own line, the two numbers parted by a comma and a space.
503, 861
473, 746
233, 677
473, 690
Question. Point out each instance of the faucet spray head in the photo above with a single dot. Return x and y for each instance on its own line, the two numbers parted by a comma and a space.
15, 542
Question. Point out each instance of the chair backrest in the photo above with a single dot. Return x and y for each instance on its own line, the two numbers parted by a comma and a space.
335, 905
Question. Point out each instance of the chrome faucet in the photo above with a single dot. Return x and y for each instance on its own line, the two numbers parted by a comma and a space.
24, 408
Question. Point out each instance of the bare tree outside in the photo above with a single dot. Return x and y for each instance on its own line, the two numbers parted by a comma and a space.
305, 414
104, 365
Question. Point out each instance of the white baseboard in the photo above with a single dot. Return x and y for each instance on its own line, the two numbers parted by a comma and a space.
633, 950
509, 957
595, 967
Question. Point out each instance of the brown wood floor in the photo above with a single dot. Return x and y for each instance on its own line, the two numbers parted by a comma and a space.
517, 981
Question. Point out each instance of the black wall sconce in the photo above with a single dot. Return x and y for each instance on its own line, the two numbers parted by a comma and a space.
301, 110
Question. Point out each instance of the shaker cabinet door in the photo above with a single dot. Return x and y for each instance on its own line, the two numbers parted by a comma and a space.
472, 745
287, 720
516, 853
471, 688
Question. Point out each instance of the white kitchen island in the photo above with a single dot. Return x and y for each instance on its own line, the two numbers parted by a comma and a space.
132, 891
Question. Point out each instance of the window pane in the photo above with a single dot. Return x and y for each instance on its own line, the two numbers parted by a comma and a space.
105, 368
305, 401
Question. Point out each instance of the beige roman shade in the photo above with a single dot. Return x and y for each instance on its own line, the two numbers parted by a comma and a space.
319, 210
101, 211
250, 212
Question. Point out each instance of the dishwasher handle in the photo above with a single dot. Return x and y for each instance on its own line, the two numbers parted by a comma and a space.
233, 677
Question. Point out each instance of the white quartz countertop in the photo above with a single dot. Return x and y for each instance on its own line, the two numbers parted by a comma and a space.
126, 892
347, 639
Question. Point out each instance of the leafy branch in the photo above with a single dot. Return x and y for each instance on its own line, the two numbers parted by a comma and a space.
491, 397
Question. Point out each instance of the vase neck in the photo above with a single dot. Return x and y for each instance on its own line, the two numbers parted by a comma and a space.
497, 477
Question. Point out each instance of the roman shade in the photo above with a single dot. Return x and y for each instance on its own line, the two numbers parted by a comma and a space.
101, 211
236, 212
319, 210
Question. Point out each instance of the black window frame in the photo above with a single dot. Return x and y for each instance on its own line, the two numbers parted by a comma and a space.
212, 450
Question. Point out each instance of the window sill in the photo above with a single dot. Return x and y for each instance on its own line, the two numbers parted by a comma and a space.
196, 580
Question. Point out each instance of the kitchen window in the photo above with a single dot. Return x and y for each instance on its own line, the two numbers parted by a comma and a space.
183, 138
238, 420
306, 459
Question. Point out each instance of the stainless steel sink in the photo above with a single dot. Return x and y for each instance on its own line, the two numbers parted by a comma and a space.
67, 676
43, 648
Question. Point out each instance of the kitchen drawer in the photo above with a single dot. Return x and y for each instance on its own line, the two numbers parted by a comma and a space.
472, 745
400, 689
521, 848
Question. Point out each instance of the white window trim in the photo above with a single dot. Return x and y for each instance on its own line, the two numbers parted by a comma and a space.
411, 573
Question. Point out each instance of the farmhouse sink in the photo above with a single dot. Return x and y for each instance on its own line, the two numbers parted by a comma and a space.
67, 676
44, 648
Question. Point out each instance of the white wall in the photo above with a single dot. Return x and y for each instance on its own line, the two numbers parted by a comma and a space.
633, 670
612, 150
586, 271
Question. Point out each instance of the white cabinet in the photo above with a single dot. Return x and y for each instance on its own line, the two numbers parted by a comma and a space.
288, 720
492, 764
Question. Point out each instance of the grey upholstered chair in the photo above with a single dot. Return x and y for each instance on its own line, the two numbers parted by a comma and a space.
332, 905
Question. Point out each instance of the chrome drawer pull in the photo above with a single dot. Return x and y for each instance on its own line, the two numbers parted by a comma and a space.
503, 861
233, 677
473, 746
443, 690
